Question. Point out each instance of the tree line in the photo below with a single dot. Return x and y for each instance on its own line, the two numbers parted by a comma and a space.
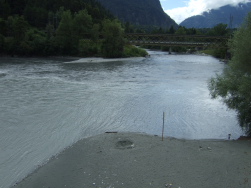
218, 30
61, 27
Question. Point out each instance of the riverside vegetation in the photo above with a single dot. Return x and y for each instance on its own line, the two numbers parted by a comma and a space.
36, 27
234, 84
78, 28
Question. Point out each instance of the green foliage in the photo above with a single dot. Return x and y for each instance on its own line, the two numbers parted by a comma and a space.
234, 85
60, 27
34, 42
241, 44
171, 30
88, 48
15, 30
10, 46
95, 32
17, 26
133, 51
218, 53
51, 27
128, 28
49, 30
82, 24
219, 30
181, 31
3, 26
2, 43
64, 34
113, 44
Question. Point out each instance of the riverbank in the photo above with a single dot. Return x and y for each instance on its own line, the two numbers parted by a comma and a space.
131, 160
103, 60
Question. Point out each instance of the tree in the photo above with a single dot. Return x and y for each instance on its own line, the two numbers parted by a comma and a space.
219, 30
1, 43
22, 20
128, 28
64, 33
171, 30
181, 31
113, 44
234, 84
82, 24
17, 26
3, 26
34, 42
95, 32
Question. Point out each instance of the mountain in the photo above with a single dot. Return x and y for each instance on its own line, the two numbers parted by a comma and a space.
139, 12
221, 15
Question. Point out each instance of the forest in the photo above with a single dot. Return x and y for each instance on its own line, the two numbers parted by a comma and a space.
76, 28
61, 27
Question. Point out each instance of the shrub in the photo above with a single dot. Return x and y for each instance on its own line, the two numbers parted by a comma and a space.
133, 51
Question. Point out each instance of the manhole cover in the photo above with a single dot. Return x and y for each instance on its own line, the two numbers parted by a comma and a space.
125, 144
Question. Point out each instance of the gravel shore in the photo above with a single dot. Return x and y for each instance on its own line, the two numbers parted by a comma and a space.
133, 160
103, 60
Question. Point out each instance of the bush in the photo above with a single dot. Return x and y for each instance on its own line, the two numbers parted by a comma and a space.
87, 48
218, 53
133, 51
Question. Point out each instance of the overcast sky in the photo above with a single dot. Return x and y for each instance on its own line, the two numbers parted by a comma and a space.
179, 10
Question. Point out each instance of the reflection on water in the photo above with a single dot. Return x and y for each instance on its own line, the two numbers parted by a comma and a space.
47, 104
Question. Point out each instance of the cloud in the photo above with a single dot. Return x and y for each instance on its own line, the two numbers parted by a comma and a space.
196, 7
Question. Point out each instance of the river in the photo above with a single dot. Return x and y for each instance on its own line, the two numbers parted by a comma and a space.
48, 104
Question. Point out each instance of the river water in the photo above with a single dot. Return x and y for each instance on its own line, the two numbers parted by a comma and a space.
47, 105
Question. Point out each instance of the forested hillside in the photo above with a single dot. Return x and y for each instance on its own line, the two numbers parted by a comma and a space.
48, 27
56, 27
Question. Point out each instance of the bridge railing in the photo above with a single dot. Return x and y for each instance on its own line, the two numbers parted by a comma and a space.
177, 40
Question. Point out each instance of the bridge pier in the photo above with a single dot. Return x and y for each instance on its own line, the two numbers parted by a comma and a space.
170, 50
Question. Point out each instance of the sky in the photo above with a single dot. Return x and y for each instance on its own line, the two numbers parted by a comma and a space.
179, 10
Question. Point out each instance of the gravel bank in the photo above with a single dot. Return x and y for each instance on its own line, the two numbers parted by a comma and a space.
132, 160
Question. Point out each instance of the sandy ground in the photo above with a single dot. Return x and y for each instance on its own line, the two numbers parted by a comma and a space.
131, 160
101, 60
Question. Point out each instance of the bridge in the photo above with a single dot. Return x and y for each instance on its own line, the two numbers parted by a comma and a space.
201, 41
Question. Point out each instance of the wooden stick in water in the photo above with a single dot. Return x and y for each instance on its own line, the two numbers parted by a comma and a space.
163, 127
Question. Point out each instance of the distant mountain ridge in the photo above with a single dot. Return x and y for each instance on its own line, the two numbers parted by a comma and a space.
139, 12
221, 15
